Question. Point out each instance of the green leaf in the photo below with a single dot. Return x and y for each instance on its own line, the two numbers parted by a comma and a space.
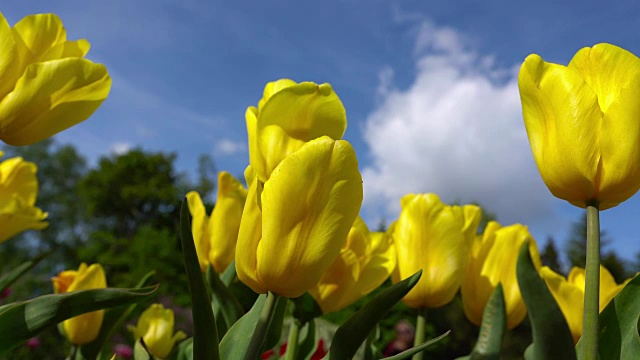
619, 325
305, 308
414, 350
15, 273
205, 332
225, 306
185, 350
355, 330
140, 352
235, 342
307, 344
113, 319
492, 329
229, 274
371, 351
274, 331
551, 336
23, 320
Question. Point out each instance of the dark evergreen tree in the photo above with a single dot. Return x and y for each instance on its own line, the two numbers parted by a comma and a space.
550, 257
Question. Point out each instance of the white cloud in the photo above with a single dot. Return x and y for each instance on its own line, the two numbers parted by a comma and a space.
120, 148
230, 147
457, 131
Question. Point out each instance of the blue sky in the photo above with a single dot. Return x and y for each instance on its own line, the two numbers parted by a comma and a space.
429, 87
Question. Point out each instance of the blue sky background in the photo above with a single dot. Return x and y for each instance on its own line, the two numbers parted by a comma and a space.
429, 87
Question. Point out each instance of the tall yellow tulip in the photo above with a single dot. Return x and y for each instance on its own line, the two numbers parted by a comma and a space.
294, 224
46, 85
366, 260
289, 115
18, 192
569, 294
582, 123
155, 327
215, 237
83, 328
492, 259
435, 238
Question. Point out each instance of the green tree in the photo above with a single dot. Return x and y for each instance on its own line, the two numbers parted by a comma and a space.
550, 256
577, 242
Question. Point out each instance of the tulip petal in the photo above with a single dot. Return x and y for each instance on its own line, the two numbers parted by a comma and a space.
294, 116
36, 34
380, 264
84, 328
569, 297
51, 97
225, 221
249, 237
10, 60
309, 204
334, 290
429, 236
18, 178
563, 122
199, 228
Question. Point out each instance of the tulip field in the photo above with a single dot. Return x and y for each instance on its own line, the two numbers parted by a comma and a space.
282, 265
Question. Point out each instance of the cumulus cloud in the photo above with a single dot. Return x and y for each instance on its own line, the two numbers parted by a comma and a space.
457, 131
120, 148
230, 147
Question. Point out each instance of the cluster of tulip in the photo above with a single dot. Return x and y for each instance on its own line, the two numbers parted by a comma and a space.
294, 232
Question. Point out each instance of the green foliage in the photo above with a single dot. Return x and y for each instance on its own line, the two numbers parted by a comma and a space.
551, 336
494, 326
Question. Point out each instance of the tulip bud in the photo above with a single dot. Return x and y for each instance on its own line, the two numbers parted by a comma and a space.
18, 191
155, 327
435, 238
492, 260
294, 225
215, 237
84, 328
582, 124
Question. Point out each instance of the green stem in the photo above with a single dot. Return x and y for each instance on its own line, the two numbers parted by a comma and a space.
260, 332
292, 342
72, 352
421, 324
590, 327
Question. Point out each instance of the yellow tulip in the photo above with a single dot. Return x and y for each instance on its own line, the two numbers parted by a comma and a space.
582, 123
435, 238
294, 224
83, 328
46, 85
18, 191
366, 260
155, 327
287, 116
569, 294
216, 236
492, 260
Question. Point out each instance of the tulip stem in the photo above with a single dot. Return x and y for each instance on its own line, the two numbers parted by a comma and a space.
72, 352
260, 332
590, 326
421, 324
292, 342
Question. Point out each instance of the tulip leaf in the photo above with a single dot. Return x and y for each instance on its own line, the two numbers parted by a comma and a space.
307, 344
371, 351
23, 320
551, 336
112, 320
185, 350
226, 308
235, 342
15, 273
229, 274
274, 331
619, 325
414, 350
140, 352
305, 308
205, 332
355, 330
492, 329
